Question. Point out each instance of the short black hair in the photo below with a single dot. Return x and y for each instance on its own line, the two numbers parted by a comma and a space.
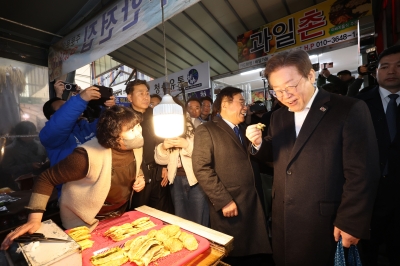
388, 51
206, 98
228, 92
131, 84
193, 99
343, 72
156, 96
48, 109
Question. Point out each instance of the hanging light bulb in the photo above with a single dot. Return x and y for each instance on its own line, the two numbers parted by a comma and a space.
168, 116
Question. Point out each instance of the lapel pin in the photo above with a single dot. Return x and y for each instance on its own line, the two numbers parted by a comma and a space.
323, 109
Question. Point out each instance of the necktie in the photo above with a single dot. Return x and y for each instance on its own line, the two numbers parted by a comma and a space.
391, 114
237, 132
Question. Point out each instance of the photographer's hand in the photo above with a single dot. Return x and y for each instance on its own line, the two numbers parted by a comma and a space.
110, 102
325, 73
91, 93
59, 88
362, 70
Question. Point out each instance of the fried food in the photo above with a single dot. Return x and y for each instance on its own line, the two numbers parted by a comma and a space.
190, 242
261, 126
79, 233
161, 236
152, 233
171, 230
118, 233
79, 228
139, 221
86, 243
113, 256
173, 245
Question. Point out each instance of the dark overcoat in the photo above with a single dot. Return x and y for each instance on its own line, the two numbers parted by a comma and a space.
388, 197
222, 166
325, 177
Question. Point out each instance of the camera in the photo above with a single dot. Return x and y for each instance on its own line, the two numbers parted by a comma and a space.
105, 93
315, 67
70, 86
257, 106
325, 66
372, 62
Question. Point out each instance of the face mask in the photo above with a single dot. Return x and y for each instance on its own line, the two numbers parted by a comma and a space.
135, 141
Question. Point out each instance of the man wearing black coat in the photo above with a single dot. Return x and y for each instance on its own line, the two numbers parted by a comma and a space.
325, 161
385, 224
156, 193
224, 170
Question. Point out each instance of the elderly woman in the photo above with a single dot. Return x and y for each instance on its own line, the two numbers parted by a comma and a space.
99, 177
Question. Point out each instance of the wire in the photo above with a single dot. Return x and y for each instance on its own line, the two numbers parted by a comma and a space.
165, 47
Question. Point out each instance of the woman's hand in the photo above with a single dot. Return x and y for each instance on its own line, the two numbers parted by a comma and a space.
179, 142
32, 225
139, 184
167, 144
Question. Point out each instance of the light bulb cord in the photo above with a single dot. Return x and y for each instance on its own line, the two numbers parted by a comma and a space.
165, 47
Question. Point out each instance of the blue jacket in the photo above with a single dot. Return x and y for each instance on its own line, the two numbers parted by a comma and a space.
63, 132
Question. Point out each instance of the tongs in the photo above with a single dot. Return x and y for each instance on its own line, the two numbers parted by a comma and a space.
38, 237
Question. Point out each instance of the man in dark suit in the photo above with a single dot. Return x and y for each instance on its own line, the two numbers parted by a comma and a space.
381, 100
156, 193
325, 161
223, 168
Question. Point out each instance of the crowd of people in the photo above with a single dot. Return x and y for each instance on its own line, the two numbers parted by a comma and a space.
332, 152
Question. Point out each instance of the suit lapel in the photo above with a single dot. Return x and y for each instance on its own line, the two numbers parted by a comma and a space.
374, 102
225, 127
314, 116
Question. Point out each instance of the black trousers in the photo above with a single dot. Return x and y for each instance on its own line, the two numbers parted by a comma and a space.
385, 229
153, 194
253, 260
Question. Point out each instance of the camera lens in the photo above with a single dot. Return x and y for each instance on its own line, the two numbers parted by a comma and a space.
68, 87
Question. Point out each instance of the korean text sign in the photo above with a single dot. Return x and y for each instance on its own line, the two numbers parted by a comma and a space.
197, 77
321, 25
116, 26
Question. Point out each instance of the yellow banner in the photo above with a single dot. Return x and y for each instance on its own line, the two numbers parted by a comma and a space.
327, 23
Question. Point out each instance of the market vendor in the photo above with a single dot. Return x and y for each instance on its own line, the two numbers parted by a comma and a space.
99, 176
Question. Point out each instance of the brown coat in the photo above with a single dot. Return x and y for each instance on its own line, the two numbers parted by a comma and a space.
326, 176
223, 168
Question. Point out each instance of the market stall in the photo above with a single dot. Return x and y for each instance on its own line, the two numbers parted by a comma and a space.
145, 236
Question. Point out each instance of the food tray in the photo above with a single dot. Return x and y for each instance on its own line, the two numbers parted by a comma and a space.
103, 243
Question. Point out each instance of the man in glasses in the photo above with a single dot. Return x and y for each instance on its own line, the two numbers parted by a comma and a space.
324, 152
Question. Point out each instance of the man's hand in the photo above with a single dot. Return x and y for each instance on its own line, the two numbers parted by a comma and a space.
325, 73
347, 239
254, 134
59, 88
139, 184
230, 210
110, 102
32, 225
91, 93
164, 175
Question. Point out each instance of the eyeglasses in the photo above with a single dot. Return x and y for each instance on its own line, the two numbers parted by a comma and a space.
288, 90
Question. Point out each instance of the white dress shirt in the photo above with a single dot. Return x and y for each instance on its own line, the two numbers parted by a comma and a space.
385, 97
299, 117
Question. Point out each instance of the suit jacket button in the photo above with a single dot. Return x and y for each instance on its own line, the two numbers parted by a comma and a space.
288, 172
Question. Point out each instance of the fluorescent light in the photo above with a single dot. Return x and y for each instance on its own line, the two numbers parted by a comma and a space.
313, 56
251, 71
